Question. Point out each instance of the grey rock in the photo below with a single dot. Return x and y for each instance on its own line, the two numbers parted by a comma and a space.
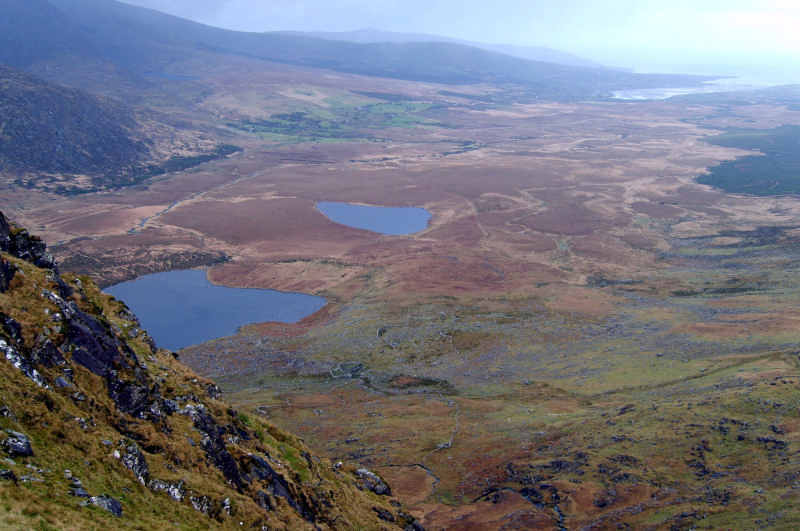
22, 363
31, 249
7, 270
213, 443
108, 503
372, 482
171, 406
62, 382
260, 469
13, 327
47, 355
213, 391
78, 397
134, 460
8, 475
64, 289
201, 503
264, 501
176, 491
5, 234
17, 444
79, 492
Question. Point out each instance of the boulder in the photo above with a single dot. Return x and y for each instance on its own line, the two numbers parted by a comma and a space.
47, 355
176, 491
108, 503
372, 482
17, 444
134, 460
20, 362
201, 504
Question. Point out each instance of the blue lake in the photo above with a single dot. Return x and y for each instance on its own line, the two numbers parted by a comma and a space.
385, 220
182, 308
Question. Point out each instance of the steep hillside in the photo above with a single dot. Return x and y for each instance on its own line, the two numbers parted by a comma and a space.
68, 140
99, 429
38, 37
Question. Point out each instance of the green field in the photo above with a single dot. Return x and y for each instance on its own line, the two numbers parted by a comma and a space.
341, 120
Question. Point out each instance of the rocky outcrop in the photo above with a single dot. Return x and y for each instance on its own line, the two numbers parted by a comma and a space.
212, 443
17, 444
18, 243
108, 503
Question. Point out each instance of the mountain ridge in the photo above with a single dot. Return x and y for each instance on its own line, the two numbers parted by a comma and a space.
140, 40
532, 53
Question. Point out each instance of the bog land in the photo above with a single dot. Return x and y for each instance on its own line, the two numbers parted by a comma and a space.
590, 332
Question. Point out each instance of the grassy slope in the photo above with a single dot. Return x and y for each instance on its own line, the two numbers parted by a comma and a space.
679, 410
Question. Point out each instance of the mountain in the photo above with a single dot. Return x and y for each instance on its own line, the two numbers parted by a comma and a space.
532, 53
99, 429
51, 134
144, 42
50, 129
37, 37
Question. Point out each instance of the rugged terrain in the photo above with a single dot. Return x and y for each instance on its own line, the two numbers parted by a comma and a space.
585, 337
100, 429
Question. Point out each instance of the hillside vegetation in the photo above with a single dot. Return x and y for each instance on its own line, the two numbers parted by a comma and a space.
67, 140
101, 430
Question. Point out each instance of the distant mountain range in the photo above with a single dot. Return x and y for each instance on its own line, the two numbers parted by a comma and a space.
531, 53
136, 57
119, 43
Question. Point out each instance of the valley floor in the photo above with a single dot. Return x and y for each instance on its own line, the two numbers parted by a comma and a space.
583, 337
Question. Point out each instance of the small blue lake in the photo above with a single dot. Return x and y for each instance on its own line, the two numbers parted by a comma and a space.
385, 220
182, 308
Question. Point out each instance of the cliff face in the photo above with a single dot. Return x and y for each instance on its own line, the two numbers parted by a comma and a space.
96, 425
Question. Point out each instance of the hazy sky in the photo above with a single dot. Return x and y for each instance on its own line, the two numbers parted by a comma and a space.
646, 34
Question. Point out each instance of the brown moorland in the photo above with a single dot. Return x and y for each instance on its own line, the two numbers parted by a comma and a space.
575, 341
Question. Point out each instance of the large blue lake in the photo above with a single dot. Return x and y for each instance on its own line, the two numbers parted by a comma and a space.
386, 220
182, 308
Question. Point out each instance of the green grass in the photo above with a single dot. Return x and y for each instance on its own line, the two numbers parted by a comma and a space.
345, 119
